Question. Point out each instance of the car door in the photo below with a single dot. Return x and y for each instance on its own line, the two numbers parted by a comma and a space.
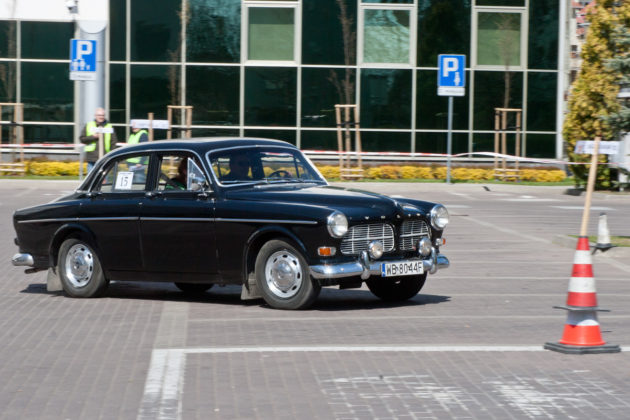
177, 223
112, 212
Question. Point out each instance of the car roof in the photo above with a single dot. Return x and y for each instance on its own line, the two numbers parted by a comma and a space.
201, 145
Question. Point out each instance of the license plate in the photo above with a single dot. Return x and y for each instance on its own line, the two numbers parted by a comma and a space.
402, 268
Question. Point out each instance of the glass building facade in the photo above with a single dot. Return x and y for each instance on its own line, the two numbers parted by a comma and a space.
276, 68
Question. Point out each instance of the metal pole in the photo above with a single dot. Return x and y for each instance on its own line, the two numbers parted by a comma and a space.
449, 140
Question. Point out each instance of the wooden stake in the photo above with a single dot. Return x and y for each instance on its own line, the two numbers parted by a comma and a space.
590, 185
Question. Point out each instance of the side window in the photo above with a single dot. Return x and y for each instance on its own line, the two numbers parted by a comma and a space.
125, 174
180, 173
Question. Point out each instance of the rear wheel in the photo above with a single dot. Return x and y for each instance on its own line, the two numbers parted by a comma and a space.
80, 270
396, 290
193, 287
282, 277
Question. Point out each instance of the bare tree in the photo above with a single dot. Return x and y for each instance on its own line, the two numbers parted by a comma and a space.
345, 87
508, 43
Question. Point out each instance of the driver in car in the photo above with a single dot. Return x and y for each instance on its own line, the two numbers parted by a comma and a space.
239, 168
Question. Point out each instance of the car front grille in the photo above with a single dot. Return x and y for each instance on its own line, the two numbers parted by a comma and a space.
411, 232
358, 238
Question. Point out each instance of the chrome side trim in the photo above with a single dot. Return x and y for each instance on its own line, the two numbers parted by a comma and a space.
295, 222
70, 219
78, 219
92, 219
181, 219
178, 219
22, 259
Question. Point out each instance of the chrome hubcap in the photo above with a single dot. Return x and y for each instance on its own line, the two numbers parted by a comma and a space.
79, 265
283, 274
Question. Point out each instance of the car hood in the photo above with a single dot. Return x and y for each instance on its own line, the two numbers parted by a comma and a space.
355, 204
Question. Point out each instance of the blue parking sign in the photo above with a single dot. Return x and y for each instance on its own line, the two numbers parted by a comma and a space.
82, 59
451, 75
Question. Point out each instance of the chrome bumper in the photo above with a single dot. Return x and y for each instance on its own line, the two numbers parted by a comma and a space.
365, 267
22, 259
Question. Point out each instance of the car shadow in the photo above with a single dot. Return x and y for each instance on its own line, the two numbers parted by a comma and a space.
330, 299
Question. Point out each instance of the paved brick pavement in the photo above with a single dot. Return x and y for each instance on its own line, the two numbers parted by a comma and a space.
469, 346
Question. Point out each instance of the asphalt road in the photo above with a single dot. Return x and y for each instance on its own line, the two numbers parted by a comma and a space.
468, 346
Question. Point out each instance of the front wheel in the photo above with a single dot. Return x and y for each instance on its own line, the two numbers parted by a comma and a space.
282, 277
80, 270
396, 290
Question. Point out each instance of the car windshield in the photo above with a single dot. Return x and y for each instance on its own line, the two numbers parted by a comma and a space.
262, 165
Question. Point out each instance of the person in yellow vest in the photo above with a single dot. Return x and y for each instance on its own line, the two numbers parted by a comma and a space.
137, 135
89, 137
138, 165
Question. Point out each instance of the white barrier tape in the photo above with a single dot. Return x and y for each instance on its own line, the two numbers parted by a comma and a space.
487, 154
351, 154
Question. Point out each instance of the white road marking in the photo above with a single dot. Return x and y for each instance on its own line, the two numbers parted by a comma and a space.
165, 379
582, 208
529, 200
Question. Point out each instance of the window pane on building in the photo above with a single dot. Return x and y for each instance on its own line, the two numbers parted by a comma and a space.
541, 101
381, 141
158, 87
499, 39
8, 77
213, 93
324, 39
155, 31
117, 89
541, 145
285, 135
543, 34
490, 93
514, 3
47, 92
438, 142
321, 90
48, 133
386, 36
318, 140
432, 110
433, 39
213, 31
271, 33
270, 96
8, 39
385, 98
117, 30
56, 34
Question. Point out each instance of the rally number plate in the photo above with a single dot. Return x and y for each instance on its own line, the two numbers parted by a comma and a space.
402, 268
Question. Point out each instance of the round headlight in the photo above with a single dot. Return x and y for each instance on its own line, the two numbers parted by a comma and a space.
439, 217
337, 224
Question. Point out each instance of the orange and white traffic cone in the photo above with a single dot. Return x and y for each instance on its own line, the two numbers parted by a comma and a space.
581, 332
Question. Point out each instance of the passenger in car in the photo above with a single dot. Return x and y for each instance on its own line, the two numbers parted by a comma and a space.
180, 180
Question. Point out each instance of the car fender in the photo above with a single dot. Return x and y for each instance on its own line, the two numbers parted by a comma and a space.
63, 232
262, 235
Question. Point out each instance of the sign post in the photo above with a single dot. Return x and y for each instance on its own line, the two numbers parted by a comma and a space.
82, 59
451, 82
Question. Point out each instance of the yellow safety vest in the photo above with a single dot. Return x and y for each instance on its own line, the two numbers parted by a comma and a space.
134, 138
89, 131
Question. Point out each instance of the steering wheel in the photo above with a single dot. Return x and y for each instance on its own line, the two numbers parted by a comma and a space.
280, 173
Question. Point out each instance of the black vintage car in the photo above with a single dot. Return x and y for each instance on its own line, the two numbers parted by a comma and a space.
251, 212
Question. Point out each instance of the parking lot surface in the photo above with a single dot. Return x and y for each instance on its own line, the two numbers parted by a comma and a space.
468, 346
